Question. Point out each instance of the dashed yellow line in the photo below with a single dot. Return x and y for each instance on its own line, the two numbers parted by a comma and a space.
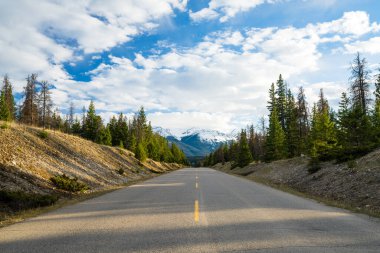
196, 211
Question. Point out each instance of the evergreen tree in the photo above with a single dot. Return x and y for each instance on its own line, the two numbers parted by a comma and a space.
4, 111
275, 145
244, 155
360, 83
323, 134
76, 128
9, 99
281, 101
344, 121
376, 111
93, 124
45, 104
140, 153
104, 136
292, 138
29, 109
303, 122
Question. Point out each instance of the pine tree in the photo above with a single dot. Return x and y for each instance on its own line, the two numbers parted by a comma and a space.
360, 83
140, 153
323, 134
376, 111
275, 145
292, 138
244, 154
71, 115
303, 122
9, 98
4, 111
281, 101
104, 136
29, 109
45, 103
93, 123
344, 121
362, 130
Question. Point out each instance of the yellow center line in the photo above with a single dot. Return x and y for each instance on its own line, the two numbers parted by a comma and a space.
196, 211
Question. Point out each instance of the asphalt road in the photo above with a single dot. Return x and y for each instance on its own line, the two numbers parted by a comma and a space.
195, 210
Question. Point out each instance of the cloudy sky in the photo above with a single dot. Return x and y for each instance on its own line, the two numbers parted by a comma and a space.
190, 63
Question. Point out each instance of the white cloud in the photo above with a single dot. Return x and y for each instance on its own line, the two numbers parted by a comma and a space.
41, 37
371, 46
225, 9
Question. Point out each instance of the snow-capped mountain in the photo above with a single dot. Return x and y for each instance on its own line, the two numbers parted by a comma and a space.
195, 142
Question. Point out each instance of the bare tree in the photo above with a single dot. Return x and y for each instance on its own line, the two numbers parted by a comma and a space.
360, 77
45, 103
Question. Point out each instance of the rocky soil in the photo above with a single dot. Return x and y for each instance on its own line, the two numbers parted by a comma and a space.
355, 184
27, 161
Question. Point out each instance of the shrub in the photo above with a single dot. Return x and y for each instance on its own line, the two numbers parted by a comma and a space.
4, 126
43, 134
66, 183
19, 200
351, 164
120, 171
314, 165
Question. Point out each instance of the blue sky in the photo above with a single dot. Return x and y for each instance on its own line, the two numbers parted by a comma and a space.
203, 63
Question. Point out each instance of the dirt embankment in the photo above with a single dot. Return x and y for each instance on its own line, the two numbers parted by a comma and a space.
354, 185
27, 161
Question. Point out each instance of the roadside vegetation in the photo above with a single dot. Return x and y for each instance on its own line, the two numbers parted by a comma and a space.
134, 134
296, 129
66, 183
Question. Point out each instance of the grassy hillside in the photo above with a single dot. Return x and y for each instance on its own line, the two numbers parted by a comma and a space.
354, 185
28, 161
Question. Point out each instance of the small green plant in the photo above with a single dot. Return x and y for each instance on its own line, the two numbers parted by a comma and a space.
43, 134
351, 164
66, 183
19, 200
314, 165
120, 171
4, 126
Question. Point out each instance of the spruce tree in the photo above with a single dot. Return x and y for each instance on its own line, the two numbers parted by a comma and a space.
29, 109
4, 111
244, 154
303, 122
323, 132
292, 138
275, 145
281, 101
376, 111
140, 153
9, 98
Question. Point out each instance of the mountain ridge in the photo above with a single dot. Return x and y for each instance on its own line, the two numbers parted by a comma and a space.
196, 142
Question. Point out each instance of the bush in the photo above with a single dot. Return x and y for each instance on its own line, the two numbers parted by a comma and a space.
18, 200
43, 134
120, 171
351, 164
314, 165
4, 126
66, 183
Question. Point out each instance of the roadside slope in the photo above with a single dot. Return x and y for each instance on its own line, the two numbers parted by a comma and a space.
354, 185
27, 161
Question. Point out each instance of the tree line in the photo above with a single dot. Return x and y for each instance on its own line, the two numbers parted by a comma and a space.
134, 134
295, 129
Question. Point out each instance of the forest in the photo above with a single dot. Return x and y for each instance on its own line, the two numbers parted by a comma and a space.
317, 131
134, 134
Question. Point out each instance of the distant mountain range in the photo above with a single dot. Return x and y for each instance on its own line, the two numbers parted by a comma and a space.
196, 142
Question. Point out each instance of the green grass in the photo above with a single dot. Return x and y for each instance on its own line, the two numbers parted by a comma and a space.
19, 200
43, 134
4, 126
66, 183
